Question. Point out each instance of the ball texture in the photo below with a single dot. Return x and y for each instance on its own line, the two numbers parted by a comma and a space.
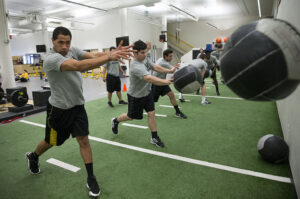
188, 79
258, 59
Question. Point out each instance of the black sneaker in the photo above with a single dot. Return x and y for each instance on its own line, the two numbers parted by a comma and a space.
122, 102
205, 102
114, 125
92, 185
156, 141
33, 163
110, 104
182, 100
181, 115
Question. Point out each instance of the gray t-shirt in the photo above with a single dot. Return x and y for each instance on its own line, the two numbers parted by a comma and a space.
66, 86
211, 62
148, 59
138, 86
216, 54
199, 64
163, 63
113, 68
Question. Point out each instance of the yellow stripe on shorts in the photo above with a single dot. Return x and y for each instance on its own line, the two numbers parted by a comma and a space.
53, 137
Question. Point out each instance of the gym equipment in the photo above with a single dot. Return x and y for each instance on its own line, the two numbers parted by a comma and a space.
273, 149
187, 79
260, 60
18, 97
40, 98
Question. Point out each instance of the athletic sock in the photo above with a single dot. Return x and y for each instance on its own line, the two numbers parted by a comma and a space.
176, 109
203, 99
154, 134
89, 169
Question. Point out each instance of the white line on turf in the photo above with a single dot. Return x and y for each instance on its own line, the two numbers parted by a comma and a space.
233, 98
194, 161
63, 165
134, 125
33, 123
158, 115
184, 159
167, 106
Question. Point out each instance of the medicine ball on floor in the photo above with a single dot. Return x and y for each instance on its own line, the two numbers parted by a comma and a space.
187, 79
273, 149
261, 61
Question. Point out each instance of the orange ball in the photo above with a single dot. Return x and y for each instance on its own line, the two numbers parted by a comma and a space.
225, 39
218, 40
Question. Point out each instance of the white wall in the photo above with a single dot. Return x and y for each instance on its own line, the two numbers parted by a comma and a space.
198, 34
289, 108
26, 43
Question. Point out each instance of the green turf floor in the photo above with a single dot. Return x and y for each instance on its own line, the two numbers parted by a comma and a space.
225, 132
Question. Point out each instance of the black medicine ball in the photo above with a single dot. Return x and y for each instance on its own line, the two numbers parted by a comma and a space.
273, 149
261, 60
188, 79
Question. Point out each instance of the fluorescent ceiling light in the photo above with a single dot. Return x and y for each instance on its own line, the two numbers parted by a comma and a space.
80, 4
259, 11
185, 13
209, 24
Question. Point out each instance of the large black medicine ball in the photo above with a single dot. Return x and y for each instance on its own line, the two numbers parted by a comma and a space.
273, 149
187, 79
261, 60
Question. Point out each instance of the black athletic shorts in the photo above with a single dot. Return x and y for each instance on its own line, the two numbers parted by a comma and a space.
159, 91
113, 83
61, 123
137, 105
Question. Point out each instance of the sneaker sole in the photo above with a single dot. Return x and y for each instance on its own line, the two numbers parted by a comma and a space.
156, 144
112, 124
91, 193
180, 117
28, 164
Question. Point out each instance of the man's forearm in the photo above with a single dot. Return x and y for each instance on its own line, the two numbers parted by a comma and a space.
89, 64
157, 81
160, 69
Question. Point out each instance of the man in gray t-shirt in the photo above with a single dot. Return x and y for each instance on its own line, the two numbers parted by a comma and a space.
66, 114
212, 65
112, 79
139, 93
158, 91
201, 65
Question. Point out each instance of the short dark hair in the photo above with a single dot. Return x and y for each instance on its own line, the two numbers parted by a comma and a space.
112, 48
202, 55
61, 31
167, 52
139, 45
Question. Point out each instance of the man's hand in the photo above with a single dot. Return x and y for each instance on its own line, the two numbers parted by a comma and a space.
175, 67
104, 79
122, 52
